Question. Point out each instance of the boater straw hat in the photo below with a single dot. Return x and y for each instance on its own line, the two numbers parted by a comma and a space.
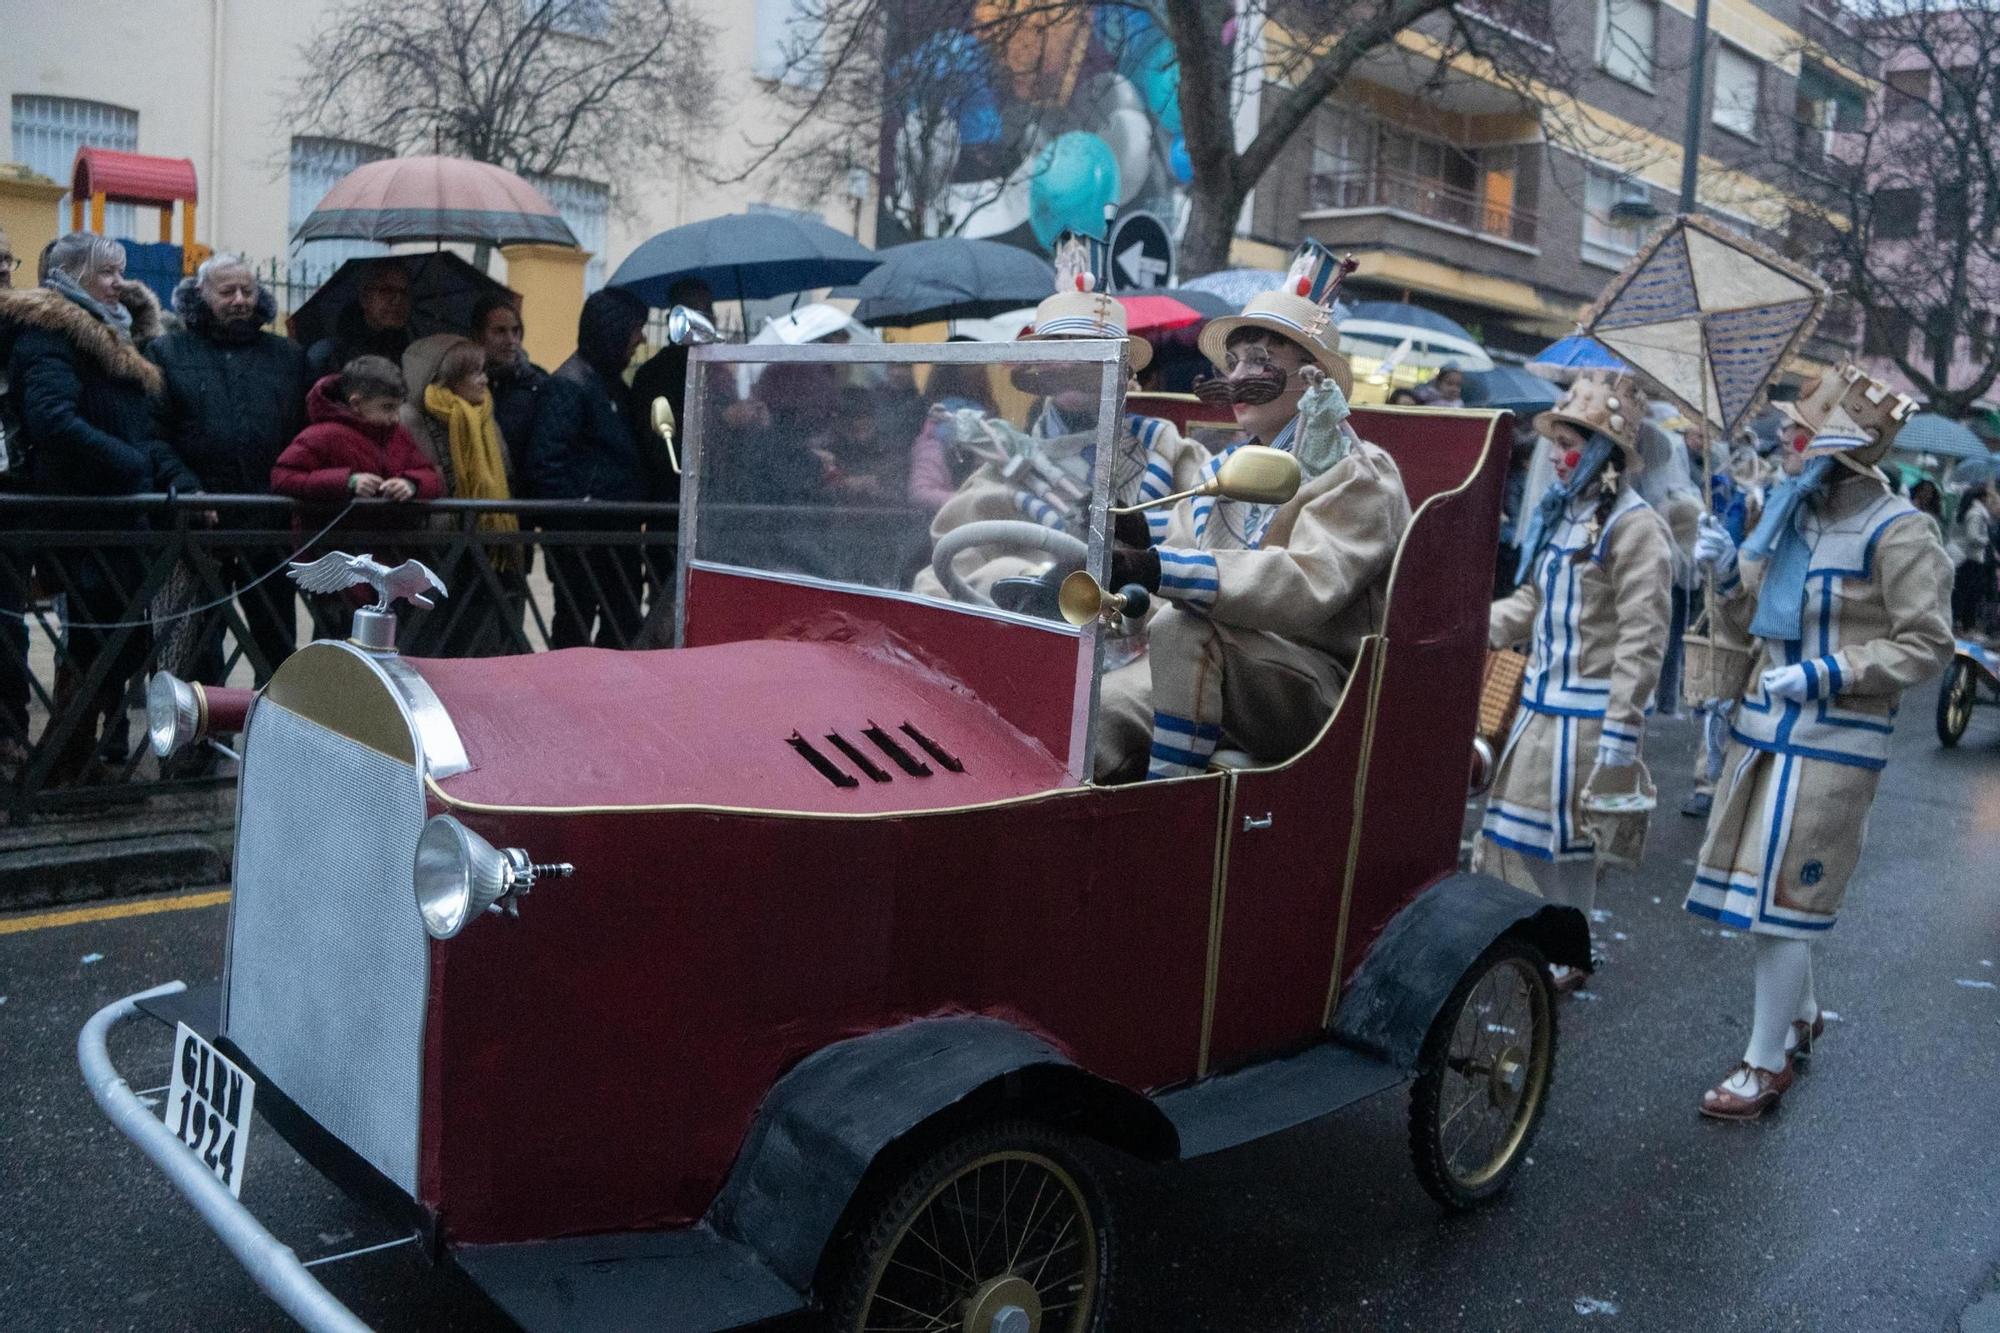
1849, 405
1603, 403
1079, 309
1300, 311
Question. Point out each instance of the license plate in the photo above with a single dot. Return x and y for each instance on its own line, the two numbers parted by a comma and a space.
208, 1107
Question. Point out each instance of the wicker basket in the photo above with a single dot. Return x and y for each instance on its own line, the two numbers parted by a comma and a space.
1500, 695
1710, 670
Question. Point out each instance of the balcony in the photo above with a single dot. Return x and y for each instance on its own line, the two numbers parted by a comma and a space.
1449, 207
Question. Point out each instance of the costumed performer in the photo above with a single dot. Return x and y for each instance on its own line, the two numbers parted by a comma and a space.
1846, 586
1570, 791
1043, 474
1267, 604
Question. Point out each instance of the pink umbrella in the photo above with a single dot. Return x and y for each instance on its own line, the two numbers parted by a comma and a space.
435, 199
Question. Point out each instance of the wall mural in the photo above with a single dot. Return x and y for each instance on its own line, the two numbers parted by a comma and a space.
1035, 130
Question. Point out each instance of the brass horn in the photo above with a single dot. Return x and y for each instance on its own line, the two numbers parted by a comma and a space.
1083, 599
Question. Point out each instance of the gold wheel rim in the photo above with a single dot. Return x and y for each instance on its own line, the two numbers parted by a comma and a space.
1495, 1073
1964, 691
1009, 1228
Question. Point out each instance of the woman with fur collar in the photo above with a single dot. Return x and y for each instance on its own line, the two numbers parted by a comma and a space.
85, 395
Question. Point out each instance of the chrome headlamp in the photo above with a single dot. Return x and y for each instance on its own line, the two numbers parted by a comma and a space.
459, 874
175, 713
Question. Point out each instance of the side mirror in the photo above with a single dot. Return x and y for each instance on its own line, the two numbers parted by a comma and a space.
1257, 474
690, 328
663, 426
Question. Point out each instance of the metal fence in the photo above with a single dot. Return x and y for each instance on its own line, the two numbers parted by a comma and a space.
97, 593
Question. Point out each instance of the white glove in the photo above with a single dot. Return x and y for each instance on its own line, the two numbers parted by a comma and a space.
1787, 682
1714, 549
1614, 752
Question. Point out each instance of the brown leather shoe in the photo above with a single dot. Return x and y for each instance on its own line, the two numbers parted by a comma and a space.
1804, 1035
1718, 1103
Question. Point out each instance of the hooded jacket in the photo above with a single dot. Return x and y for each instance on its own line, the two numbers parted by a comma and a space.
231, 401
588, 440
315, 466
85, 397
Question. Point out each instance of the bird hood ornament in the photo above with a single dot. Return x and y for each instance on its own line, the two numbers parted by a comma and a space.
374, 626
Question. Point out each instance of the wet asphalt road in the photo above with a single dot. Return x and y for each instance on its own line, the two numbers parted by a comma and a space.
1871, 1201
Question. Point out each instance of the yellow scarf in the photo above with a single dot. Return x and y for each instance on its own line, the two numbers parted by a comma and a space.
478, 459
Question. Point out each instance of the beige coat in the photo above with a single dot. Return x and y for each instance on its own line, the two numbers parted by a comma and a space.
1597, 631
1790, 815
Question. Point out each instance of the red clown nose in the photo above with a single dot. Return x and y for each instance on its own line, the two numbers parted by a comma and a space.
1572, 458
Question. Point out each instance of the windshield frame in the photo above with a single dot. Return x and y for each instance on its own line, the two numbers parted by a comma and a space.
1106, 354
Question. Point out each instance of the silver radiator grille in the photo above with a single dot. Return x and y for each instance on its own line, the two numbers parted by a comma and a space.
328, 959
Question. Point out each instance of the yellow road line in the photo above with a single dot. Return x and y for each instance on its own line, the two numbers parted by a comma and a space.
77, 916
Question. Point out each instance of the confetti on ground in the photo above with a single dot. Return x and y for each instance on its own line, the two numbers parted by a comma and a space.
1656, 897
1726, 934
92, 958
1590, 1305
1590, 995
1829, 1015
1620, 935
334, 1237
1599, 914
1976, 983
1986, 962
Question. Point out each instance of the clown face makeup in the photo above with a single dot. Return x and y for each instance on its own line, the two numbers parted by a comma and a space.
1566, 444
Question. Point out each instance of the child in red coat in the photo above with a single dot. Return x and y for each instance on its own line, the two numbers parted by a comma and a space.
355, 447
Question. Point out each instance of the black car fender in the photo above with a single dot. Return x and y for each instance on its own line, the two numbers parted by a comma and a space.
831, 1117
1388, 1008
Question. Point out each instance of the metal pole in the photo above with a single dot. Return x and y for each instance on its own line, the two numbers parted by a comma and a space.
1696, 105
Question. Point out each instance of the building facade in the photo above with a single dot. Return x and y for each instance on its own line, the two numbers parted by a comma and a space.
1448, 193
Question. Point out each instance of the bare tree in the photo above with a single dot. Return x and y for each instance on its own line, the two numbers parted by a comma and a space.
889, 77
594, 88
1900, 201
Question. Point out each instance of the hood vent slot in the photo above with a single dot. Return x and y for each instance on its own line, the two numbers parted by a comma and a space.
875, 771
825, 767
902, 758
944, 758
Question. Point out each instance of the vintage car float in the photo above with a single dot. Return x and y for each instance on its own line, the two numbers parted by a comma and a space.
850, 959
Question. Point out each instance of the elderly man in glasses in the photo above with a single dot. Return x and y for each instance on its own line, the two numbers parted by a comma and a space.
1268, 604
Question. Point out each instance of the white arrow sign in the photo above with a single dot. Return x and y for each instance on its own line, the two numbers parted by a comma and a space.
1141, 269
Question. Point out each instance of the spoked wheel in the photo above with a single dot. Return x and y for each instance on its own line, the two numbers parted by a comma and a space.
1002, 1230
1484, 1078
1956, 697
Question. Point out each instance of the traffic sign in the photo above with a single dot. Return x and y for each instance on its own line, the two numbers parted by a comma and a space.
1142, 253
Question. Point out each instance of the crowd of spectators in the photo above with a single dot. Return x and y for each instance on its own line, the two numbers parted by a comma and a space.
103, 394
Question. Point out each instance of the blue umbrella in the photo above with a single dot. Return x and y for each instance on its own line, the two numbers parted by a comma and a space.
1565, 356
1237, 285
1929, 433
745, 256
949, 278
1505, 388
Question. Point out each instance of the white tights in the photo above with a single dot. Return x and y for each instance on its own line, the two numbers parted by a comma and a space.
1784, 994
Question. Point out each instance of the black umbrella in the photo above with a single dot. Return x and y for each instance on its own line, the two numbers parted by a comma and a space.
950, 278
745, 256
443, 290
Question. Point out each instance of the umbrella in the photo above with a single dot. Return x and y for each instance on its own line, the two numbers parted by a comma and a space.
1929, 433
1506, 389
746, 256
1200, 300
810, 323
1707, 317
1410, 334
1237, 285
1151, 314
443, 290
1974, 471
949, 278
1561, 359
434, 199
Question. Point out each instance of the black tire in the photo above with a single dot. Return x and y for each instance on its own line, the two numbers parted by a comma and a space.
864, 1291
1957, 693
1460, 1067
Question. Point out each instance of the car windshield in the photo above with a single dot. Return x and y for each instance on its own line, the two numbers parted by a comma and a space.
874, 466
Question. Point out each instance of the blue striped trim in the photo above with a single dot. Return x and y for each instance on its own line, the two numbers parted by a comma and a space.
1174, 754
1618, 734
1525, 849
1189, 576
1186, 726
1078, 325
1157, 481
1831, 665
1814, 686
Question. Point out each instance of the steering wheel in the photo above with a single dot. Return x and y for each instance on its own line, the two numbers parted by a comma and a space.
1013, 532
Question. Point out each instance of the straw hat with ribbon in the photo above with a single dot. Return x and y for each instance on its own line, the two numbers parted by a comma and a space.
1080, 307
1849, 413
1300, 311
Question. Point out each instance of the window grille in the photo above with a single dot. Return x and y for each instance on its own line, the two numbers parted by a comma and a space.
49, 130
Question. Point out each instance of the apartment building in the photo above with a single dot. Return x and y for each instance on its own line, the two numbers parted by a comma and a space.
1448, 193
